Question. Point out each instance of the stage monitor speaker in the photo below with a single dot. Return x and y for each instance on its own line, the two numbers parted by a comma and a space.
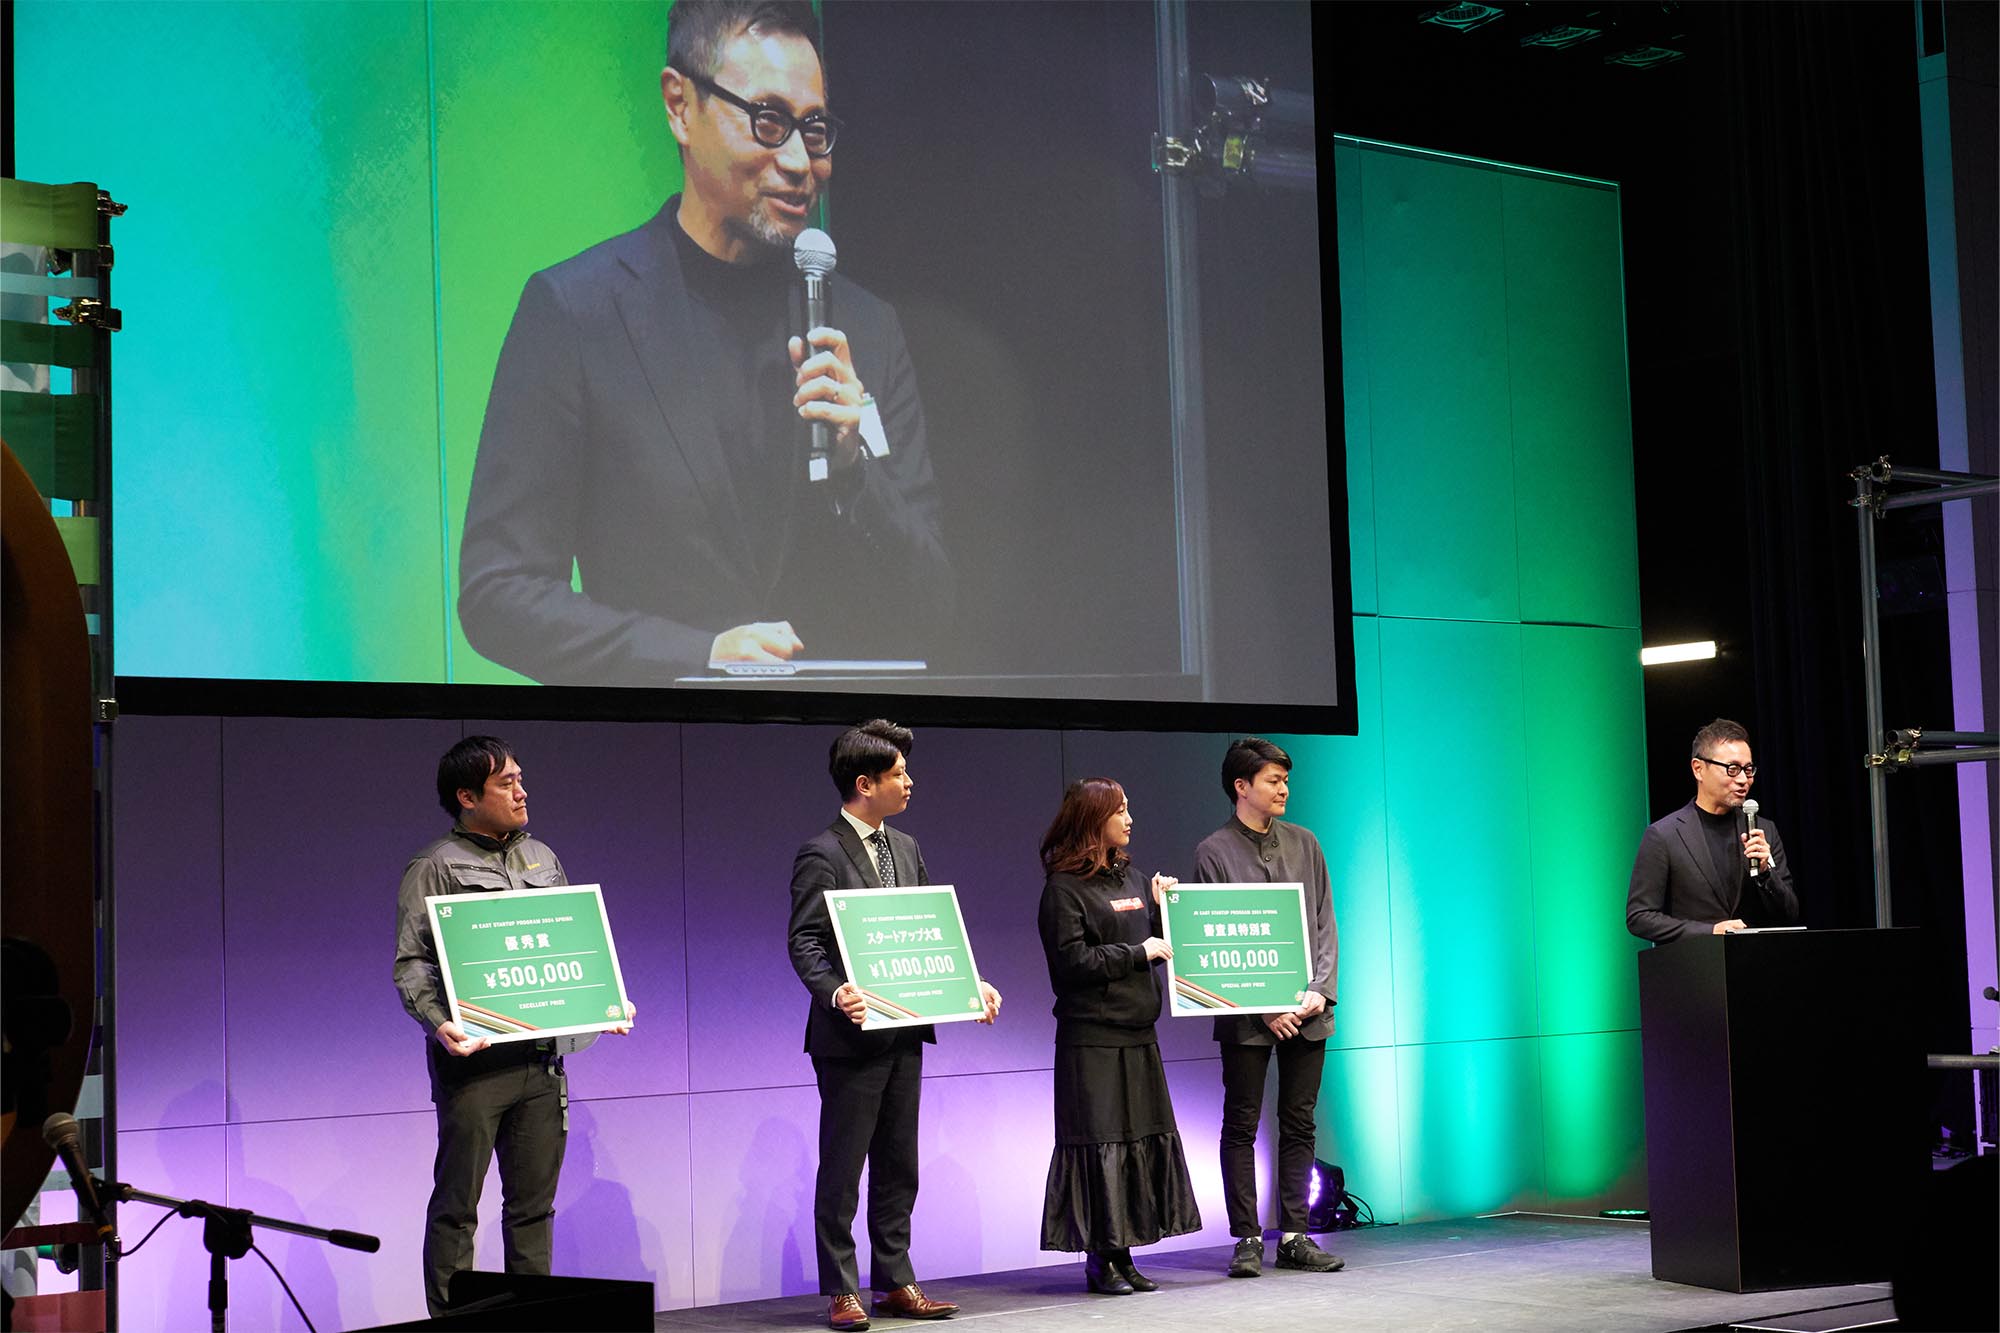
521, 1303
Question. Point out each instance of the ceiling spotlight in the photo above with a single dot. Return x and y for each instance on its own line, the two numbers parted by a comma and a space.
1462, 18
1562, 36
1645, 57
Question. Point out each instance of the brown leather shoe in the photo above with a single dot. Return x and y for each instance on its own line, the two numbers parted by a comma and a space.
911, 1303
846, 1313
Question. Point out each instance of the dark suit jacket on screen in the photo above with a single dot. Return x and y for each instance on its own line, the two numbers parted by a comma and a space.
600, 446
1674, 890
836, 859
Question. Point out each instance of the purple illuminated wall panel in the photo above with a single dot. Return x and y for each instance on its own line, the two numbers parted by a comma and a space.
624, 1209
751, 796
169, 963
979, 809
607, 797
319, 817
165, 1285
752, 1183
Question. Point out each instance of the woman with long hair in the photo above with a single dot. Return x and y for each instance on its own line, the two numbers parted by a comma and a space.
1118, 1177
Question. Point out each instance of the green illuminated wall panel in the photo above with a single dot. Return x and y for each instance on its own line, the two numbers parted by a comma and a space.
1471, 1118
1461, 894
1434, 322
1357, 1125
1355, 385
1572, 423
1585, 714
1594, 1120
1339, 796
1491, 524
578, 88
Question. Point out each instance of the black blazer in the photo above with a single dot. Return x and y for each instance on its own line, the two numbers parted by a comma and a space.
600, 447
835, 858
1674, 891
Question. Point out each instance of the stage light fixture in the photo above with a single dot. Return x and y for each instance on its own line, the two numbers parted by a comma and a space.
1329, 1207
1662, 654
1562, 36
1645, 57
1462, 18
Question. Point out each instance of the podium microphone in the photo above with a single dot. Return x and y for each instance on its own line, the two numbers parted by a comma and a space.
61, 1132
813, 253
1750, 814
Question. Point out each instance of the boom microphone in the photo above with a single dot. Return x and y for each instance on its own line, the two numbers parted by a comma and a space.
813, 253
61, 1132
1750, 814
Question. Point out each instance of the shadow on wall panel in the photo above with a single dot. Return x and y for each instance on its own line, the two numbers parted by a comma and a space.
607, 797
624, 1208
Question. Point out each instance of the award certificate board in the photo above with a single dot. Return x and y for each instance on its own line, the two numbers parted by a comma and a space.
905, 949
1238, 948
526, 964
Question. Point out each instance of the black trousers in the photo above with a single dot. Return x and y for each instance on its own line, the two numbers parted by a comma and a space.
867, 1113
519, 1110
1243, 1071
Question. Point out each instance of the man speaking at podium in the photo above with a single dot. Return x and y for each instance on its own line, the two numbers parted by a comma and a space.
650, 417
1710, 867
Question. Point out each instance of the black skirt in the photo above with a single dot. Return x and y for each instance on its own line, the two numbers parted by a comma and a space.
1118, 1177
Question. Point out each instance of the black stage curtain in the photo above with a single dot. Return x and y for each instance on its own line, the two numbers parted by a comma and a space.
1834, 345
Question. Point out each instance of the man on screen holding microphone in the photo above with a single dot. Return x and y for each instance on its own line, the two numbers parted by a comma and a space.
1714, 865
656, 406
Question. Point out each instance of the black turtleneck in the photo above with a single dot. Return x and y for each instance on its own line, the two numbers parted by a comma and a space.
741, 316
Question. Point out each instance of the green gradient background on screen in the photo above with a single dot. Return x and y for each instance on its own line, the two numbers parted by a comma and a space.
333, 209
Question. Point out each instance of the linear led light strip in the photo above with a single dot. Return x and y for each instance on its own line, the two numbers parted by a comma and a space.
1677, 652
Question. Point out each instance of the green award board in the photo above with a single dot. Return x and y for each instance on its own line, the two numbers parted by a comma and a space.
530, 963
906, 950
1238, 948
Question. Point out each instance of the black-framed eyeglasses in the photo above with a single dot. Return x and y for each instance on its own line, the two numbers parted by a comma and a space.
772, 125
1747, 770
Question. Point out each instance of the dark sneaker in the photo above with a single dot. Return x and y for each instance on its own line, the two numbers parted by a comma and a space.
1299, 1252
1248, 1261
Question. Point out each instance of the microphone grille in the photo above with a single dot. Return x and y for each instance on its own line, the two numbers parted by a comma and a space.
61, 1128
813, 252
1750, 809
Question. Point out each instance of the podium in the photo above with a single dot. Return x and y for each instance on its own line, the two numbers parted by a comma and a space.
1785, 1105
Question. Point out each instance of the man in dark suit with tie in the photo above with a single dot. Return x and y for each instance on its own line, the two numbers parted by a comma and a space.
648, 426
869, 1082
1703, 870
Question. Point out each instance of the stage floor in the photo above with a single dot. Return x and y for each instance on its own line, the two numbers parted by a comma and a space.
1515, 1272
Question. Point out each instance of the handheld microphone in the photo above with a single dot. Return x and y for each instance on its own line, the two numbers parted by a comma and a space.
61, 1132
813, 253
1750, 814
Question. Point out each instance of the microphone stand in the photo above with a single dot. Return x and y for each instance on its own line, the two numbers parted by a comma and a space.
225, 1233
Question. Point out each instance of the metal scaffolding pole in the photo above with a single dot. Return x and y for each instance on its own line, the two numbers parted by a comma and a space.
1888, 753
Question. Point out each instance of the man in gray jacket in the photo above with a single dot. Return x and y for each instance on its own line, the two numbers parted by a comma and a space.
1256, 847
514, 1096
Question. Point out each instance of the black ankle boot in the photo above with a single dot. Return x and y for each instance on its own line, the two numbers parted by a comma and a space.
1102, 1276
1121, 1261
